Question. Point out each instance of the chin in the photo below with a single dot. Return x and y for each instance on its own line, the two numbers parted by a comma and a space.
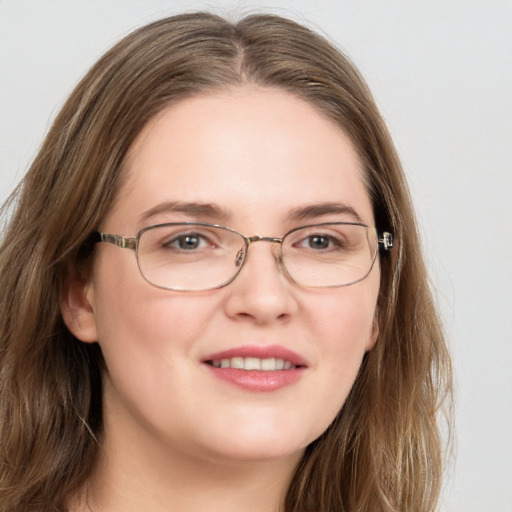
259, 443
256, 454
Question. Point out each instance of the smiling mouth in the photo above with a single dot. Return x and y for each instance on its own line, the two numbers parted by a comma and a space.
253, 363
257, 368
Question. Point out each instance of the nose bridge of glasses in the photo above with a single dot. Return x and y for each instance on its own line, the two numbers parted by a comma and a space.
257, 238
242, 255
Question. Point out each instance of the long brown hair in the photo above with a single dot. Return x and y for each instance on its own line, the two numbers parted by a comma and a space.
383, 452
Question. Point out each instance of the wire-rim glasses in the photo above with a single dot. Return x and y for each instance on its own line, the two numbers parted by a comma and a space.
195, 256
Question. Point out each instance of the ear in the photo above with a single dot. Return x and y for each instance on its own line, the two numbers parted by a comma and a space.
374, 333
77, 307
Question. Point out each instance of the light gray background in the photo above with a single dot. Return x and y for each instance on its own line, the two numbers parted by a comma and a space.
441, 72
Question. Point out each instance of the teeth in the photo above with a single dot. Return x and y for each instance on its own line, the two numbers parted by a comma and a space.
237, 362
269, 364
253, 363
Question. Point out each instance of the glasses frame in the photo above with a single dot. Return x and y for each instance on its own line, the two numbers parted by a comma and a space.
384, 241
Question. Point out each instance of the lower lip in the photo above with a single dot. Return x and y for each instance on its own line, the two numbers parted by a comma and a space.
254, 380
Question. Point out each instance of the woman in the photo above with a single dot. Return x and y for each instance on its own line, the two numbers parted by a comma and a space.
213, 294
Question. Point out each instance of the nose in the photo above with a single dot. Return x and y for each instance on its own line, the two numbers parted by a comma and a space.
261, 292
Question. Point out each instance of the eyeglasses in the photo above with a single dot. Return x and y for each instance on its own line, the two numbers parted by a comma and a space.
194, 256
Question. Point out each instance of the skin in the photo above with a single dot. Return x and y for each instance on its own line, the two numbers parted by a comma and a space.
172, 429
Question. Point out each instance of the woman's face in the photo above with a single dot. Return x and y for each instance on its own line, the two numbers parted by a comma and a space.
260, 161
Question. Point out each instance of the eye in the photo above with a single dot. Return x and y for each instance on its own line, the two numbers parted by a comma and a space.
320, 242
187, 242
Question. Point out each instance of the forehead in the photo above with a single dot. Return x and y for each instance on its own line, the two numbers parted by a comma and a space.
250, 150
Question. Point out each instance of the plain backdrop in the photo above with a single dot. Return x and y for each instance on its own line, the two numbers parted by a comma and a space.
441, 72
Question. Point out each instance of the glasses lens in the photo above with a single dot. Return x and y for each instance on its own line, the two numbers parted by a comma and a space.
189, 257
329, 254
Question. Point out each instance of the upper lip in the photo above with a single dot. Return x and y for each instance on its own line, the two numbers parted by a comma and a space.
260, 352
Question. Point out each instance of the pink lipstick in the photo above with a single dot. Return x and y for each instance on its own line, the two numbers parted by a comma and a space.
256, 367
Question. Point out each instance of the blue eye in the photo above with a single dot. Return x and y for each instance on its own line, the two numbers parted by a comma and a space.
187, 242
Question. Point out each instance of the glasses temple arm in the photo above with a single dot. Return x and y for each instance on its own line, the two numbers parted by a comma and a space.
118, 240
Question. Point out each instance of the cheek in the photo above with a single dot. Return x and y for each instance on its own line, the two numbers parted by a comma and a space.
346, 318
149, 342
131, 311
344, 331
151, 324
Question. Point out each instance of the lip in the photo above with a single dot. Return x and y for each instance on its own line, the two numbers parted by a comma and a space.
259, 351
253, 380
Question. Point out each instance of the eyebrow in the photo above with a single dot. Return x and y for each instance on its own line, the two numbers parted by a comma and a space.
193, 209
212, 211
320, 209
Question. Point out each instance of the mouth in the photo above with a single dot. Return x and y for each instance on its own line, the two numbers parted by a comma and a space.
257, 368
270, 364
